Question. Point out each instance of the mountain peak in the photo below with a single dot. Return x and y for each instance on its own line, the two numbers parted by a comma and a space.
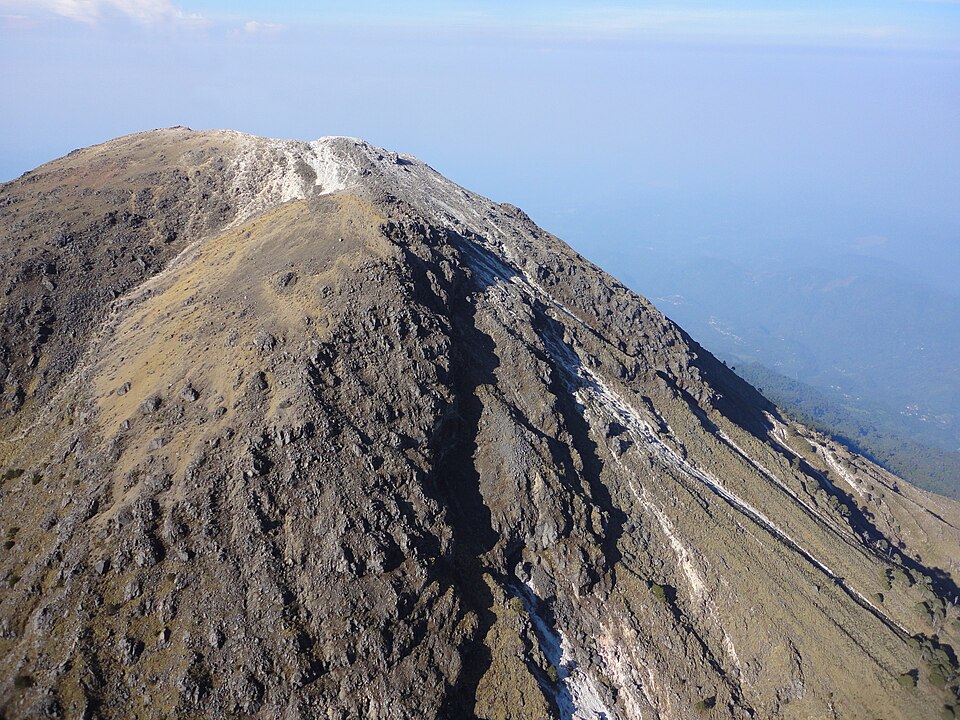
305, 428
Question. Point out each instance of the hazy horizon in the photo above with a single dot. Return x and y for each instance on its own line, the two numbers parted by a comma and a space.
705, 128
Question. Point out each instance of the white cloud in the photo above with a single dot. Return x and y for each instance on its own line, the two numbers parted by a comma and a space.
255, 28
92, 11
259, 28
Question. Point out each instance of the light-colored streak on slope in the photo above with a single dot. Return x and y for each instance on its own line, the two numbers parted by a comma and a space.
645, 435
575, 693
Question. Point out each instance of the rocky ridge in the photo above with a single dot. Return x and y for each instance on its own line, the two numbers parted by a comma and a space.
307, 430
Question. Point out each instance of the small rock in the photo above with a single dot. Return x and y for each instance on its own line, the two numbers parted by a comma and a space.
129, 650
151, 404
286, 279
123, 389
189, 393
146, 555
133, 590
264, 341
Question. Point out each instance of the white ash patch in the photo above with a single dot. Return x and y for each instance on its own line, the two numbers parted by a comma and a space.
684, 558
840, 470
638, 695
575, 692
333, 173
271, 172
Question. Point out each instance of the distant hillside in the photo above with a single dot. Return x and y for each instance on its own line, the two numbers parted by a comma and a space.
868, 428
851, 326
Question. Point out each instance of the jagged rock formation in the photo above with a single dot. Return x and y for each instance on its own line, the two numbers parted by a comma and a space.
306, 430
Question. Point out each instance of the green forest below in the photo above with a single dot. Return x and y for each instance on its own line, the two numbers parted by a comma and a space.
873, 431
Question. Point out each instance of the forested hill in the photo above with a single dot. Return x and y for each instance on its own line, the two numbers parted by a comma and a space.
868, 428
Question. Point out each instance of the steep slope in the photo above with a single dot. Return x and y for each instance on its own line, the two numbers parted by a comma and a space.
307, 430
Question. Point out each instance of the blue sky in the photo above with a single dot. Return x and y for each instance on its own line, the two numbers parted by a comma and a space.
907, 21
731, 127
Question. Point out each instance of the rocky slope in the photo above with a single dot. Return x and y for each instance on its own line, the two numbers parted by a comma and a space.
306, 430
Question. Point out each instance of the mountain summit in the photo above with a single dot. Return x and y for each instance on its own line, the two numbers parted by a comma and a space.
306, 430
